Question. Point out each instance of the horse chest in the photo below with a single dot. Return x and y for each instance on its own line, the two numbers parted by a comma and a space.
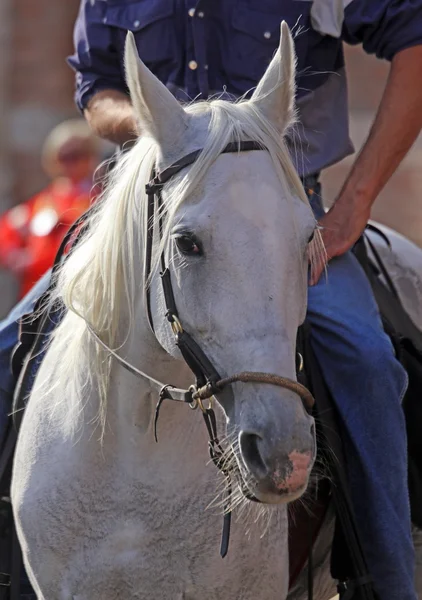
106, 536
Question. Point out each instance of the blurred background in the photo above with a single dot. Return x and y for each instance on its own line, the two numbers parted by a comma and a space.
36, 94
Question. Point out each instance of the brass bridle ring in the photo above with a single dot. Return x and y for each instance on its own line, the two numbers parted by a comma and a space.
176, 325
197, 401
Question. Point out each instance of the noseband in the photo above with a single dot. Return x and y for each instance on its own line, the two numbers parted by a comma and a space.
208, 381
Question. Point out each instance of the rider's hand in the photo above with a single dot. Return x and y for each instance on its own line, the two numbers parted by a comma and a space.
341, 227
111, 116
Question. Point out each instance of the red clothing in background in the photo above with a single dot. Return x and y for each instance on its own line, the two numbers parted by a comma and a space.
31, 233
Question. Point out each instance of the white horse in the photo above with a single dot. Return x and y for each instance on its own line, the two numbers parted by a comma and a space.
102, 511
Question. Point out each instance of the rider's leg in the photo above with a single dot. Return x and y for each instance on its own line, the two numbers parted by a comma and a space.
9, 330
367, 384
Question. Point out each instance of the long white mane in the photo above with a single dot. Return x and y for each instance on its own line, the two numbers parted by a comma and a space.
101, 279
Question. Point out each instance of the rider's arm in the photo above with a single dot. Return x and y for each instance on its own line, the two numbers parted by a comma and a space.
101, 92
397, 36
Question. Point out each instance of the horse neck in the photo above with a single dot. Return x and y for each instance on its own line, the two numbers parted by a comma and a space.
132, 401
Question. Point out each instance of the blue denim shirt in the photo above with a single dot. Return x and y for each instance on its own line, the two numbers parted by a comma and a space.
199, 48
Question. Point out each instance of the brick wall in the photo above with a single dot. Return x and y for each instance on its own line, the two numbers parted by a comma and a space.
35, 94
41, 84
5, 31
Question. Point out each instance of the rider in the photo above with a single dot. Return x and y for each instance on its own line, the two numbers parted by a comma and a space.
206, 47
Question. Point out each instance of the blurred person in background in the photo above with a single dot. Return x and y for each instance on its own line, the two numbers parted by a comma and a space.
31, 232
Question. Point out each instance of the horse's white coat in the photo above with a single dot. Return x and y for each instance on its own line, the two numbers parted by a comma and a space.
123, 517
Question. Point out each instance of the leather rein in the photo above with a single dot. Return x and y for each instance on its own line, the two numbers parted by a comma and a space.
208, 381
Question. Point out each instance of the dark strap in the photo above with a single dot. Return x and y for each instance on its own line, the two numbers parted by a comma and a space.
16, 567
148, 255
216, 453
6, 457
310, 560
197, 360
171, 308
381, 266
161, 178
347, 589
381, 234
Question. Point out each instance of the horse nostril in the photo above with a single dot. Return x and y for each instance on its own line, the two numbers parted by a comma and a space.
313, 434
249, 448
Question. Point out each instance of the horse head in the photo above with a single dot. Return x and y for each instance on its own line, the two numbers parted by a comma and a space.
236, 233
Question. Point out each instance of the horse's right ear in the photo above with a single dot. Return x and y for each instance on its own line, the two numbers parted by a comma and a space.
274, 95
157, 111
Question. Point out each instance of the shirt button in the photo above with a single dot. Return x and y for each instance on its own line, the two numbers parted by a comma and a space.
267, 35
136, 23
191, 12
201, 14
193, 65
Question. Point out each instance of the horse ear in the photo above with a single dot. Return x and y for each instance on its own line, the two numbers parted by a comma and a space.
157, 111
275, 93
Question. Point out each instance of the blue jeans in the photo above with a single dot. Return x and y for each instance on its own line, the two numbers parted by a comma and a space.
367, 384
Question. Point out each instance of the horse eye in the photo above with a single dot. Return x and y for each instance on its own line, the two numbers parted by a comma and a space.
188, 245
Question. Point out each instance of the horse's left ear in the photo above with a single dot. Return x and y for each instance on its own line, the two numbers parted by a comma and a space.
275, 93
158, 113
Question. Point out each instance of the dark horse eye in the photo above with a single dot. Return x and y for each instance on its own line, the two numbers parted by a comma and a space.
187, 244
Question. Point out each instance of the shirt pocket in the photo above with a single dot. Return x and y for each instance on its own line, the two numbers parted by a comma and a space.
256, 33
152, 23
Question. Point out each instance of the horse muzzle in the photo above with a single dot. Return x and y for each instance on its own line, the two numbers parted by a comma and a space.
271, 474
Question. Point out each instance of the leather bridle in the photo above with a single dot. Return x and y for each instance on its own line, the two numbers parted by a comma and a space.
208, 381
